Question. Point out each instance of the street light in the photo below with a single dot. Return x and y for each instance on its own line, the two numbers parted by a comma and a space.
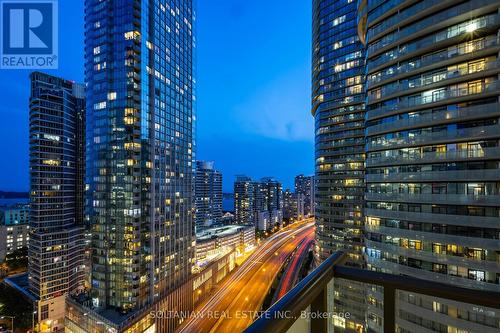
12, 320
33, 322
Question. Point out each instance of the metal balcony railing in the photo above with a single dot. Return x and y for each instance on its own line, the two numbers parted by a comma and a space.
312, 294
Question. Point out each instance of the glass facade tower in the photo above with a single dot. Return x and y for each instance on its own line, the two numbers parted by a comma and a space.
56, 243
208, 195
338, 110
304, 189
244, 200
433, 153
338, 105
140, 147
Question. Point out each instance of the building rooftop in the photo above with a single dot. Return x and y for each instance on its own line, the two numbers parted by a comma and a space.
220, 232
20, 282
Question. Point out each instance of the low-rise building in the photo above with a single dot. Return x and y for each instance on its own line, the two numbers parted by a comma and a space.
14, 229
228, 218
214, 241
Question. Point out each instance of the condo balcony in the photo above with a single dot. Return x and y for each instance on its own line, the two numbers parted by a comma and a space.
431, 118
464, 51
436, 176
434, 80
443, 136
450, 199
436, 97
435, 156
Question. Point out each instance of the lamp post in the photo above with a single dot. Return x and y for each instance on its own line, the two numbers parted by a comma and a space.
12, 321
33, 322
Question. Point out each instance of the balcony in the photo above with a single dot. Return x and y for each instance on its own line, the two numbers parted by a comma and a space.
436, 97
450, 199
431, 42
429, 138
426, 217
436, 176
295, 311
436, 156
433, 237
466, 51
433, 81
423, 25
462, 114
442, 258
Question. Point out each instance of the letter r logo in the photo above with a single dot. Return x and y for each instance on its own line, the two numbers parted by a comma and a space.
28, 27
17, 28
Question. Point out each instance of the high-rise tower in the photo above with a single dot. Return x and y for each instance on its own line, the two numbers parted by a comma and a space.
304, 190
338, 110
433, 153
208, 195
56, 244
140, 149
245, 200
338, 103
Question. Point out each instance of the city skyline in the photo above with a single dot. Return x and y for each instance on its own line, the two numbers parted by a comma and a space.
230, 131
127, 227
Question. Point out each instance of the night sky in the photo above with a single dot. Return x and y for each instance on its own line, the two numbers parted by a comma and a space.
253, 90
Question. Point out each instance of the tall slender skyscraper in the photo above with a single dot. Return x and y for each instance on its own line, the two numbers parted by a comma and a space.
289, 205
56, 245
140, 141
208, 195
304, 189
245, 200
433, 153
338, 103
338, 109
272, 193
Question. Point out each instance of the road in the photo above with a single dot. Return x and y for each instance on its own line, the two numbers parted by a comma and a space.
234, 304
291, 275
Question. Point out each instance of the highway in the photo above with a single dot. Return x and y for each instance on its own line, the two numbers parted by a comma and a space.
291, 275
234, 304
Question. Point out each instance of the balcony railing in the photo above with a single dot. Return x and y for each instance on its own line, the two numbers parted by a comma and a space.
435, 156
444, 198
471, 112
463, 50
443, 96
311, 294
405, 86
433, 176
428, 138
